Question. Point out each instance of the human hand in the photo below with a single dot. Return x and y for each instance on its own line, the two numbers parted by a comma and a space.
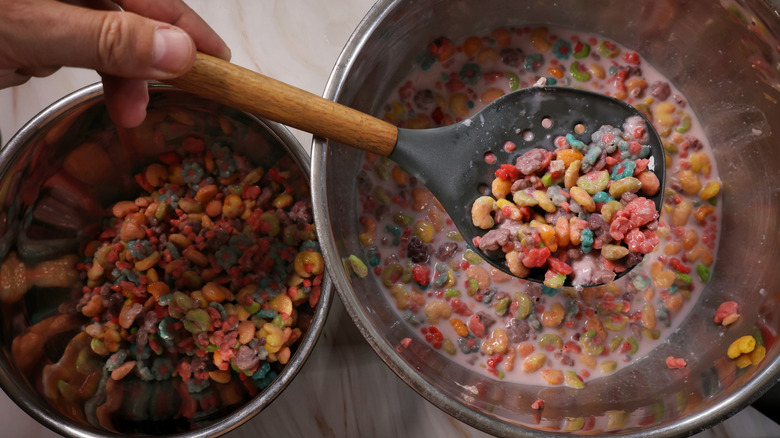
149, 39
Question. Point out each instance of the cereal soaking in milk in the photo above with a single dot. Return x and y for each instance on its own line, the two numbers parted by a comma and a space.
504, 326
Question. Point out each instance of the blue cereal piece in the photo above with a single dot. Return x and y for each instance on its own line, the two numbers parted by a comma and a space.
624, 169
550, 291
533, 62
469, 344
590, 158
561, 48
574, 143
602, 197
587, 240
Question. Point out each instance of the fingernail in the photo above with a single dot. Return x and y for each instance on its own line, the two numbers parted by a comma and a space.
173, 50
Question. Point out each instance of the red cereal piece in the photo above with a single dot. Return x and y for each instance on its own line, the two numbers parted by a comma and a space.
421, 274
675, 362
636, 213
727, 313
538, 404
536, 257
559, 266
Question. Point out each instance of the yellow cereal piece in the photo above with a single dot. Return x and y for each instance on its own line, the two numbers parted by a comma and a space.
710, 190
544, 201
757, 355
481, 212
742, 361
745, 344
501, 188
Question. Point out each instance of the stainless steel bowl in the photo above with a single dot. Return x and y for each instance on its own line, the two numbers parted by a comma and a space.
52, 192
723, 55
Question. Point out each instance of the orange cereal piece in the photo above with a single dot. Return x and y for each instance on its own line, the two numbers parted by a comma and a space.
502, 37
569, 156
525, 349
552, 376
472, 45
459, 327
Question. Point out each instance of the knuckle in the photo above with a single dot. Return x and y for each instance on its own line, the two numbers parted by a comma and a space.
113, 41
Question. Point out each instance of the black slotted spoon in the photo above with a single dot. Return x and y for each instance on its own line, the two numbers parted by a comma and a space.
450, 160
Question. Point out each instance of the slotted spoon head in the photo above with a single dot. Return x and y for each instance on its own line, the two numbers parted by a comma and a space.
451, 160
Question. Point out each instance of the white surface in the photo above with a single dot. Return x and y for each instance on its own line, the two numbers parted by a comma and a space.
344, 390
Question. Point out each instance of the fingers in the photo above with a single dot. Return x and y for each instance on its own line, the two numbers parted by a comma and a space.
48, 34
111, 42
10, 78
180, 15
126, 100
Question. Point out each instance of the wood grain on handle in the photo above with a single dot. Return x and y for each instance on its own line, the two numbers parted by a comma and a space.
252, 92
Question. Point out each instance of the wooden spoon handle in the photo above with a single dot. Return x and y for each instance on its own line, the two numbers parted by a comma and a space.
266, 97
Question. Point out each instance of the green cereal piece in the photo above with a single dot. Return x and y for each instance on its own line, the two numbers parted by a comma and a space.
454, 236
182, 300
382, 171
685, 124
514, 81
381, 195
448, 346
608, 366
578, 73
594, 181
683, 278
610, 208
644, 109
652, 334
472, 287
634, 345
391, 274
572, 380
407, 275
573, 424
586, 342
670, 147
273, 220
197, 321
162, 211
615, 323
624, 185
523, 199
615, 342
614, 252
524, 305
555, 281
703, 271
358, 267
472, 257
402, 219
551, 339
502, 305
583, 53
451, 293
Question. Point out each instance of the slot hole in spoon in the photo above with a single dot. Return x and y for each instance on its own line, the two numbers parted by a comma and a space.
547, 122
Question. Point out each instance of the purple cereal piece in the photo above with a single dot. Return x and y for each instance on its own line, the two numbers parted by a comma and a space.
494, 239
660, 90
446, 250
517, 330
533, 161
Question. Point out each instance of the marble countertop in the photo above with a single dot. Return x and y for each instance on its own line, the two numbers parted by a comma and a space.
298, 41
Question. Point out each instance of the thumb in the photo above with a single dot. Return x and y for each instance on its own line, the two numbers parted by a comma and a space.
117, 43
